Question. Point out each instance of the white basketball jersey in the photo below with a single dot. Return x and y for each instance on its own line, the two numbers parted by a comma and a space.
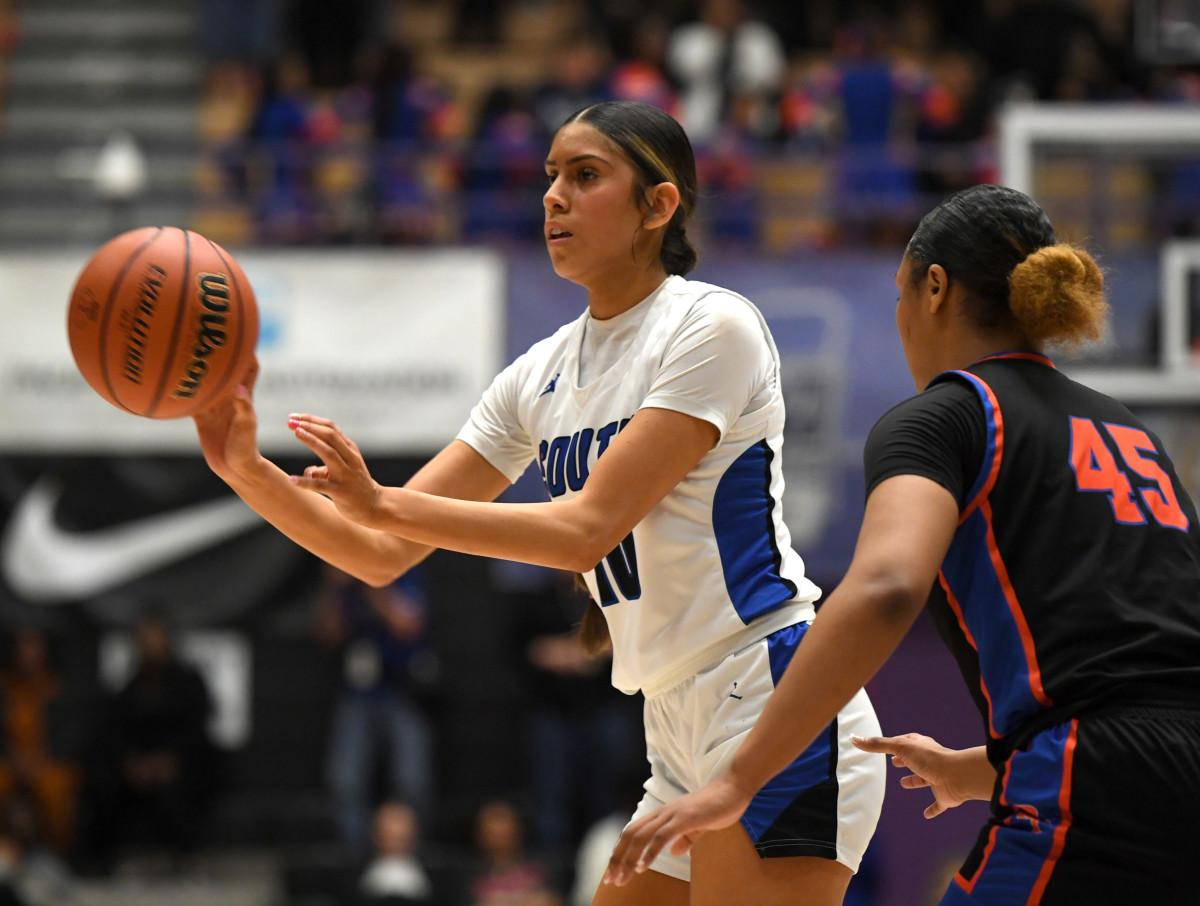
711, 568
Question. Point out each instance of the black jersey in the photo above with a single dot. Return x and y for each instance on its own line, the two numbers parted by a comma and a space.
1074, 575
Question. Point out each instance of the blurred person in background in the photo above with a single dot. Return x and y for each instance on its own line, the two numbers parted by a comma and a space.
414, 117
378, 720
501, 168
577, 78
1055, 50
574, 713
729, 67
507, 876
10, 871
156, 768
276, 166
394, 876
44, 726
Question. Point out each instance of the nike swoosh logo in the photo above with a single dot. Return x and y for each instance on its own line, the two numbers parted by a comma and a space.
45, 564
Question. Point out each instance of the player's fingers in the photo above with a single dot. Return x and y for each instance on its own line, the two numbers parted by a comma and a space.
658, 840
913, 782
887, 745
243, 404
934, 810
311, 419
684, 842
628, 853
313, 478
332, 435
250, 378
319, 444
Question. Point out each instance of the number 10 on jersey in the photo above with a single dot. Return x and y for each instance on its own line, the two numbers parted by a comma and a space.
621, 565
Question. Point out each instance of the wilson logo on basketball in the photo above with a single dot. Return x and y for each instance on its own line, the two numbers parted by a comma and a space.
214, 301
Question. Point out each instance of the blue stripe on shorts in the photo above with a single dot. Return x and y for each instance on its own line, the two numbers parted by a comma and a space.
795, 814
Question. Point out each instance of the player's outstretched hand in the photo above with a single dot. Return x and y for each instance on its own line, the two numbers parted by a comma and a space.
343, 477
953, 775
228, 430
716, 805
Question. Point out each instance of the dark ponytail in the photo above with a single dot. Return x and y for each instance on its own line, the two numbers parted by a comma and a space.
593, 630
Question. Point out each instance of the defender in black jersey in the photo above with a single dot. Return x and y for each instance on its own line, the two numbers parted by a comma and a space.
1060, 557
1070, 596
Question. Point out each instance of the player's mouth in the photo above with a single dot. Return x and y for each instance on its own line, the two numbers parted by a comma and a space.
556, 234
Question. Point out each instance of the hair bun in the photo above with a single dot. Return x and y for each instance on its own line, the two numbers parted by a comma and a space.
1057, 293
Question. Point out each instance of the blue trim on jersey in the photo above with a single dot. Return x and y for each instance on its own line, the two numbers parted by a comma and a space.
816, 764
744, 528
1023, 841
989, 417
975, 584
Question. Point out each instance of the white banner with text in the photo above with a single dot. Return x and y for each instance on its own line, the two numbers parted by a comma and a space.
396, 346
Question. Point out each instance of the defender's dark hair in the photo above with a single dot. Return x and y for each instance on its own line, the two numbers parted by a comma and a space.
660, 152
1000, 245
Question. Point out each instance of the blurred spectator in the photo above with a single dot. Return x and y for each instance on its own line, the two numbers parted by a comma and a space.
503, 176
479, 21
591, 856
43, 729
641, 75
156, 767
953, 117
414, 117
874, 98
574, 712
730, 69
240, 38
333, 38
378, 721
507, 877
240, 33
10, 868
394, 876
578, 78
1179, 180
1048, 49
278, 170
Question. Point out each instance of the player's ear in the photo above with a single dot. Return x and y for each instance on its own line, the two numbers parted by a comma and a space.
937, 287
661, 202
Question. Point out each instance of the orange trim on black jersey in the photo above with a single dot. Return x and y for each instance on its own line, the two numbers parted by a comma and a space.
962, 624
1014, 607
1064, 821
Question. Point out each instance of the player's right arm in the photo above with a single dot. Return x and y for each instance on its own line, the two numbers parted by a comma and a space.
228, 439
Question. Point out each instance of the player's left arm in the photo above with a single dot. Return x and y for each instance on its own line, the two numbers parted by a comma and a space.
650, 456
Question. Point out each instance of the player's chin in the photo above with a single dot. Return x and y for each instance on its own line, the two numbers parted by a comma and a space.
568, 270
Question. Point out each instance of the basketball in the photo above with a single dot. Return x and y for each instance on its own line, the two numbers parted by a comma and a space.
162, 322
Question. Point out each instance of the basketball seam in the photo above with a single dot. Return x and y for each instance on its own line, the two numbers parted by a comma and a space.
108, 311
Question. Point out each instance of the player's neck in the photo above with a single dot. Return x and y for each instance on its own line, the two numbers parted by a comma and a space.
975, 346
613, 297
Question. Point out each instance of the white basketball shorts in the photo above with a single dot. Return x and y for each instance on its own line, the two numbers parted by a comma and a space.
825, 804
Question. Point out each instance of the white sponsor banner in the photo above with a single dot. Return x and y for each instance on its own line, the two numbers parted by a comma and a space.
395, 345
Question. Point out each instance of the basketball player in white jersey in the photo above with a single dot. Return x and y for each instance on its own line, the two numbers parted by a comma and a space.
656, 420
